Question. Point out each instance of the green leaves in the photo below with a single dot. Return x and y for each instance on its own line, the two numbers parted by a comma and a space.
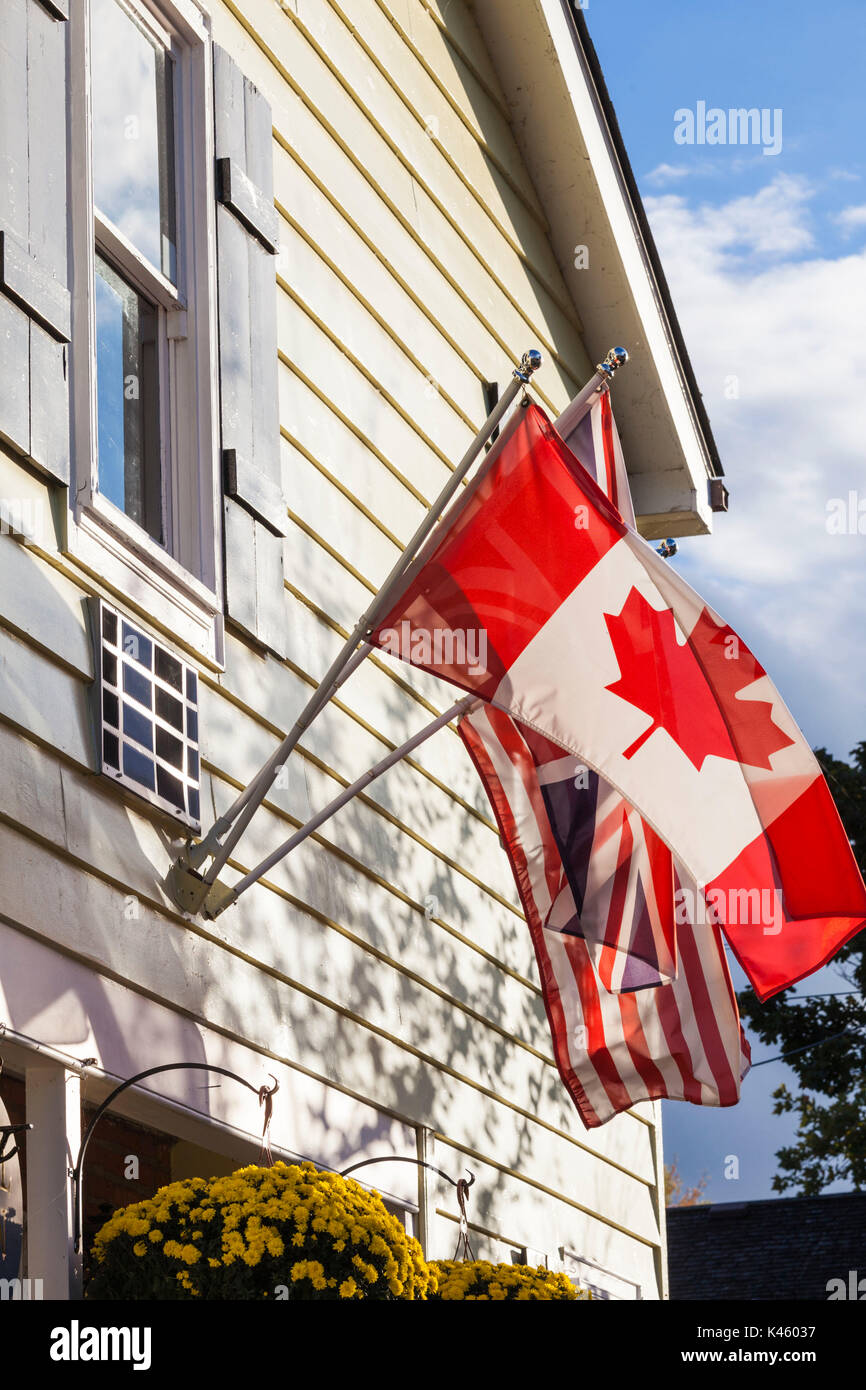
831, 1071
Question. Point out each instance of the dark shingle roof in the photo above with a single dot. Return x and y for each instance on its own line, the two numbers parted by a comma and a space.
784, 1248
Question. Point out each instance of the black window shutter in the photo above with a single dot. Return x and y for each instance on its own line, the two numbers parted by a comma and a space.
34, 283
254, 506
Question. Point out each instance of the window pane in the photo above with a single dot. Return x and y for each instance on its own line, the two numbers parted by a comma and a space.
127, 400
133, 134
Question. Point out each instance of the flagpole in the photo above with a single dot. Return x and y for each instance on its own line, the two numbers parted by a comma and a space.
198, 853
576, 409
189, 888
224, 895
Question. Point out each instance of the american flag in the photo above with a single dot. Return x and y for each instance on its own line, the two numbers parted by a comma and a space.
619, 1035
629, 1019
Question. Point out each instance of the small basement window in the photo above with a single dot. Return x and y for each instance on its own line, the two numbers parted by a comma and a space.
147, 717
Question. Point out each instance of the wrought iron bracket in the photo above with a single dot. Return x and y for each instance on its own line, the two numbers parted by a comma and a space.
6, 1132
418, 1162
263, 1093
462, 1185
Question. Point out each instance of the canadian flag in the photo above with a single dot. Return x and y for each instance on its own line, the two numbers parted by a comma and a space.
638, 1008
540, 599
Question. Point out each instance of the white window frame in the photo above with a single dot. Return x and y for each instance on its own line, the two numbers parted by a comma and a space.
601, 1281
179, 585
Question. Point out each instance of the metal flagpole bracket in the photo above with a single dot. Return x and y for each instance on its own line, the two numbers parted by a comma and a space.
189, 888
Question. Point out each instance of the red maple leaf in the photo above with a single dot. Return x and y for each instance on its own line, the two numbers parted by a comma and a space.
691, 689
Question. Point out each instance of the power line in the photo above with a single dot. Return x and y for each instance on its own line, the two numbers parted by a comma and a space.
830, 994
818, 1043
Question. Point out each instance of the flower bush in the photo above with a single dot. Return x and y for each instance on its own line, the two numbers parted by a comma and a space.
485, 1282
282, 1232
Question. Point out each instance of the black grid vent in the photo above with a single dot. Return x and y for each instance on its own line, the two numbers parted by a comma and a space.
148, 717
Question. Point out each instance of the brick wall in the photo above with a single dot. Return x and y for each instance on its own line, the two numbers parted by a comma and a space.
105, 1187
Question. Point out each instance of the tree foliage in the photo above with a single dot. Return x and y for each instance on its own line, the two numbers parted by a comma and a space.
831, 1101
676, 1192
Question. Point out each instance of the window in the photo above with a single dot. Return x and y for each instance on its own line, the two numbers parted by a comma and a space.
128, 446
133, 133
146, 490
148, 715
135, 234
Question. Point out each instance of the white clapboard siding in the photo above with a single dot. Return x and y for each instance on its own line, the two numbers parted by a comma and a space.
39, 695
336, 750
384, 970
484, 114
31, 700
458, 35
471, 208
327, 770
232, 736
480, 161
308, 145
271, 1011
532, 1217
342, 456
309, 1120
402, 861
470, 250
320, 295
41, 605
377, 697
93, 827
307, 213
472, 157
360, 851
333, 519
312, 646
386, 707
330, 371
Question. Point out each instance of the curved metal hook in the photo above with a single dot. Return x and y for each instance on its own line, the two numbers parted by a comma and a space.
75, 1173
400, 1158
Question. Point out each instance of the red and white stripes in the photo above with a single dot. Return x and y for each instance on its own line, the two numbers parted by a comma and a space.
680, 1039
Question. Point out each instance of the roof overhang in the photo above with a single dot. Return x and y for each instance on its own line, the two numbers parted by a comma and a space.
566, 128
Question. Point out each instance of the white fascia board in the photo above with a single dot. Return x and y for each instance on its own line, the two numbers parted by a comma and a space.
572, 159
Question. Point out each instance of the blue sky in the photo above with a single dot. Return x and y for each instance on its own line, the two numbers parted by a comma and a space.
766, 259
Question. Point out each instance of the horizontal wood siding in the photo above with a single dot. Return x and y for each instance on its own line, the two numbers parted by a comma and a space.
388, 957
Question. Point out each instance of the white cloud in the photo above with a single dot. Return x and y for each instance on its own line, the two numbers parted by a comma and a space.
788, 328
771, 223
666, 173
850, 219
